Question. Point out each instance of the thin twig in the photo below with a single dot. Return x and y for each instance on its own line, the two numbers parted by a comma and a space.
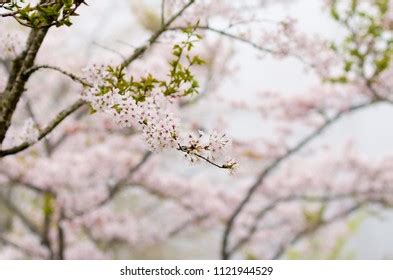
58, 69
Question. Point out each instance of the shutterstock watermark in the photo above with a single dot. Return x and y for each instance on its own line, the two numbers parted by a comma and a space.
175, 271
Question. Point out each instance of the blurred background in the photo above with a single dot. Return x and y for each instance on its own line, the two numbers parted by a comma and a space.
111, 30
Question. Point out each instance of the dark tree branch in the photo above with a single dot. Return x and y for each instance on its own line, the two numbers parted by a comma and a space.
18, 79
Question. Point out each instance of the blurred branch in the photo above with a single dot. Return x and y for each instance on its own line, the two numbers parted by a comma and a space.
61, 236
24, 218
30, 111
310, 230
244, 41
185, 225
8, 242
115, 189
45, 131
162, 12
139, 51
109, 50
305, 198
228, 35
269, 169
19, 181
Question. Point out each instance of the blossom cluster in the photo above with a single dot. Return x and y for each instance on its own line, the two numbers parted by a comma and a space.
207, 146
151, 117
152, 114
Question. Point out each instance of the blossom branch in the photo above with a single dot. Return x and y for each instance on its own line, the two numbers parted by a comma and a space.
19, 181
190, 151
43, 15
